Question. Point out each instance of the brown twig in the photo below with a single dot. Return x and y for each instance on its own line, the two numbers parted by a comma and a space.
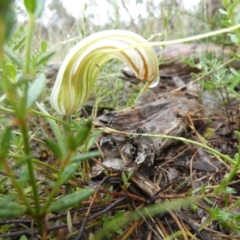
34, 231
84, 222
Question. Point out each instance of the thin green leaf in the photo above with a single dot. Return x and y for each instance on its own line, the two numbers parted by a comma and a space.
68, 173
24, 176
14, 57
12, 72
92, 139
44, 58
83, 133
11, 209
22, 161
34, 7
30, 5
237, 133
35, 90
233, 37
55, 128
227, 23
72, 144
225, 3
222, 11
23, 237
71, 199
54, 147
8, 198
39, 8
235, 56
7, 19
82, 157
234, 72
44, 46
124, 177
20, 44
5, 144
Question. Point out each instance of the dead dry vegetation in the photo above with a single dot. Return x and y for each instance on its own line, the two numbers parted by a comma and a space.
163, 164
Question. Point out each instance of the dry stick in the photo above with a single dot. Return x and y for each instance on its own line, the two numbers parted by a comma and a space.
137, 209
101, 212
84, 222
203, 235
130, 195
138, 224
163, 229
101, 164
179, 225
149, 235
116, 203
12, 235
129, 231
191, 168
158, 229
28, 232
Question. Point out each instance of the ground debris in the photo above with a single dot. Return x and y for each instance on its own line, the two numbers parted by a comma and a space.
165, 169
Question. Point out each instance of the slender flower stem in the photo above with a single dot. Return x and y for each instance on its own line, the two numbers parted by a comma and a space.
204, 146
233, 171
143, 90
183, 40
196, 37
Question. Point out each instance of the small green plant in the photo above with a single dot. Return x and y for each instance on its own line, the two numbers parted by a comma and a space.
22, 88
227, 219
115, 228
125, 178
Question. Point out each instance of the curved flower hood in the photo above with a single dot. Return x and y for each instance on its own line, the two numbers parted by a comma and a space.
80, 68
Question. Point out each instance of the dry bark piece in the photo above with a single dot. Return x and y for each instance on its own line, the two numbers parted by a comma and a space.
143, 182
164, 116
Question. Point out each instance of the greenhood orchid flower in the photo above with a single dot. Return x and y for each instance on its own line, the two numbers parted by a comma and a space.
80, 68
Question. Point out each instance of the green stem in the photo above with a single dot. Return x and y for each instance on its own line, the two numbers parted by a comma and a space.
145, 87
196, 37
21, 195
9, 170
64, 163
206, 147
182, 40
32, 178
56, 185
66, 119
233, 171
45, 114
23, 126
235, 164
47, 166
28, 45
